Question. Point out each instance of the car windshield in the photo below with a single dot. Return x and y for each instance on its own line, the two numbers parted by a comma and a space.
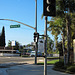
32, 52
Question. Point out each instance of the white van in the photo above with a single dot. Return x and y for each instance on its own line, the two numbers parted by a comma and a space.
32, 53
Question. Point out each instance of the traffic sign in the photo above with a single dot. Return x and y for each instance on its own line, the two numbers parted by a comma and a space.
15, 26
13, 43
41, 45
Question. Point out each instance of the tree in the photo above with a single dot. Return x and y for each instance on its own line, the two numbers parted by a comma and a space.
3, 37
67, 9
56, 28
64, 17
16, 47
50, 44
9, 43
29, 45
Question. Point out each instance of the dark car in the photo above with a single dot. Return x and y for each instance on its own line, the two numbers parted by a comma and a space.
17, 51
39, 54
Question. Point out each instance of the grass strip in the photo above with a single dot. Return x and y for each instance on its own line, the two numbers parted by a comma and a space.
52, 62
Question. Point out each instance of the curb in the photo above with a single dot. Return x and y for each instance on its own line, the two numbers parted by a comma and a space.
6, 65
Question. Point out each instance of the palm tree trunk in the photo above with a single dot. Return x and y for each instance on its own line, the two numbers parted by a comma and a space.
63, 42
64, 51
68, 23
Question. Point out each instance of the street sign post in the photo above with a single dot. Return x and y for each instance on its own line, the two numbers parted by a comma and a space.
45, 47
15, 26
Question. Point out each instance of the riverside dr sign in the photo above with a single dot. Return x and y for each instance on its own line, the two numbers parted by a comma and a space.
15, 26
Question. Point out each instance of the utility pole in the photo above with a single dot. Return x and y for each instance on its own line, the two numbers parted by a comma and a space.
36, 46
45, 49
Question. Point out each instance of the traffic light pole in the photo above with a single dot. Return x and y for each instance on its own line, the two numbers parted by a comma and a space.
49, 9
45, 49
36, 46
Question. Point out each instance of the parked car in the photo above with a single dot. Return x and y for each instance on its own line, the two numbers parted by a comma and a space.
39, 54
28, 54
32, 53
17, 51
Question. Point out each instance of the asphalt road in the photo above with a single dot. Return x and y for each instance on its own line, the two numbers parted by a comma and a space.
26, 69
29, 69
19, 59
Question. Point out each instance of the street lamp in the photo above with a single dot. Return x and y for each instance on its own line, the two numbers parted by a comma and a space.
35, 15
36, 46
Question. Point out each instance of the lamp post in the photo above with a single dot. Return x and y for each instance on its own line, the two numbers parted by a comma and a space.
36, 46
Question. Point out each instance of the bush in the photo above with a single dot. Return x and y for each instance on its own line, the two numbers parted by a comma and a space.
71, 69
59, 64
24, 56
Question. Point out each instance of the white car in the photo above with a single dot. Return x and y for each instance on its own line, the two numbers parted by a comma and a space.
32, 53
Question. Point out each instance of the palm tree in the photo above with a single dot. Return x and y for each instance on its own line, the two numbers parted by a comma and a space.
67, 5
65, 8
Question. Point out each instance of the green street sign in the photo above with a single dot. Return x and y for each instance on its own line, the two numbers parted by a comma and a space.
15, 26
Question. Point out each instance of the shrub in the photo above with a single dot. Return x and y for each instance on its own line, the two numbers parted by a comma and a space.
24, 55
59, 64
71, 69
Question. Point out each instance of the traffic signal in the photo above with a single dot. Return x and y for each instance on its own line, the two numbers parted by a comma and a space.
49, 7
36, 37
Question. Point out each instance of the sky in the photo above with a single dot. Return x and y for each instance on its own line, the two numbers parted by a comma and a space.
23, 11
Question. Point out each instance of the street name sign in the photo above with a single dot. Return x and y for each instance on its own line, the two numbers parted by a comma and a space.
15, 26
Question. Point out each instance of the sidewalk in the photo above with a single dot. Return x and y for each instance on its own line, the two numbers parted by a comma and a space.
29, 69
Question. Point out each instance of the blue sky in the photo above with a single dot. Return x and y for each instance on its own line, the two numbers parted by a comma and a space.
23, 11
